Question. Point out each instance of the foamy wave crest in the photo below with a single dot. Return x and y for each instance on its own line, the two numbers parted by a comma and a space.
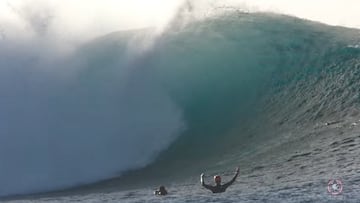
77, 118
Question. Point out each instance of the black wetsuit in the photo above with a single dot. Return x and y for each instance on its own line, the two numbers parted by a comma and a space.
219, 188
160, 192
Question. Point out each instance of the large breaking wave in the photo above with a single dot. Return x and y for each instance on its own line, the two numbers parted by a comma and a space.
207, 89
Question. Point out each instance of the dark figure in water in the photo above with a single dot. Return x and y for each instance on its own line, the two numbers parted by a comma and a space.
218, 188
161, 191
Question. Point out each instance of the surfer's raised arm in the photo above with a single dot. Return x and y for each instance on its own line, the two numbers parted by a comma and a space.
203, 183
233, 179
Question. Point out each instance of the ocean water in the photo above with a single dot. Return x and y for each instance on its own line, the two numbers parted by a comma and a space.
275, 95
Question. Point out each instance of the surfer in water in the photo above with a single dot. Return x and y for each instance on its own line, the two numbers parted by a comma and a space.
218, 188
161, 191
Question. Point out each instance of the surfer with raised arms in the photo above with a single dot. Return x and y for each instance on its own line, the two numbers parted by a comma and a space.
218, 188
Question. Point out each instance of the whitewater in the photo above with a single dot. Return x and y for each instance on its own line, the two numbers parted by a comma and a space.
123, 113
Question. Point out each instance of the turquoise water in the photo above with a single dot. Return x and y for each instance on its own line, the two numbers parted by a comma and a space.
137, 109
243, 81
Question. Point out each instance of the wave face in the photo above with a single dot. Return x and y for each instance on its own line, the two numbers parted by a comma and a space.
245, 81
205, 90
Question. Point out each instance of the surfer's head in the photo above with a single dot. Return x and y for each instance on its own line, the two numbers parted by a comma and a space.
162, 188
217, 179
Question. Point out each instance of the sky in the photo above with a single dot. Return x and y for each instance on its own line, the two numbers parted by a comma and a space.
84, 19
334, 12
79, 18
